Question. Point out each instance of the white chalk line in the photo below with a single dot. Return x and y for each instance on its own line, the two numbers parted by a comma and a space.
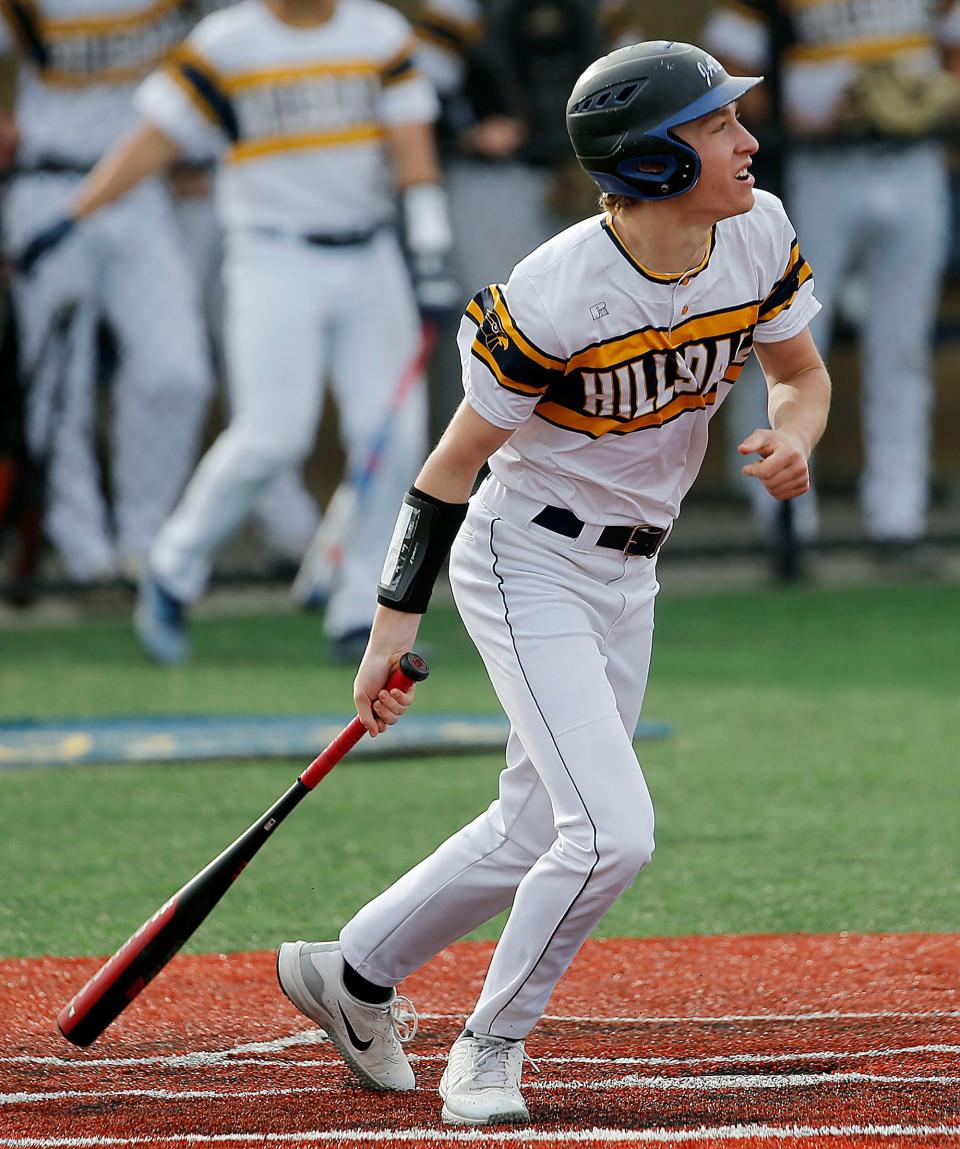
229, 1059
633, 1081
523, 1136
725, 1019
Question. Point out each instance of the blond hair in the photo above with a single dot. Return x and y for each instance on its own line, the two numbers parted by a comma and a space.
615, 204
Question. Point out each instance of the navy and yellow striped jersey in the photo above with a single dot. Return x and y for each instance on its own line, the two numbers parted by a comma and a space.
610, 373
79, 61
296, 113
829, 42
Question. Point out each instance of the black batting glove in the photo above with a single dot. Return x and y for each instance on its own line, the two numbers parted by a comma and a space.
435, 285
43, 243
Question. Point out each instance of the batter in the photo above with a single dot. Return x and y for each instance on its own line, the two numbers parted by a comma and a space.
590, 380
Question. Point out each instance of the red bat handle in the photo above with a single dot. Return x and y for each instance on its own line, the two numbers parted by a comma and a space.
412, 669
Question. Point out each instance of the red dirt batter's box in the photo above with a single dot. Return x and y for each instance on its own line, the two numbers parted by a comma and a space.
800, 1040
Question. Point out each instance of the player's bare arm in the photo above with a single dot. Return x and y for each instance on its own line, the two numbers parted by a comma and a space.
143, 152
447, 476
799, 401
413, 154
426, 221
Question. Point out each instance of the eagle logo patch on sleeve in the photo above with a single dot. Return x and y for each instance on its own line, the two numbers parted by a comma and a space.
492, 331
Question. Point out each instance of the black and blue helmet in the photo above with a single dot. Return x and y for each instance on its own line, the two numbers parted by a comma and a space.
623, 108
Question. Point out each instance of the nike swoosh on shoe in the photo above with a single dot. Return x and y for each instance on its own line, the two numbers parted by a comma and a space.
362, 1046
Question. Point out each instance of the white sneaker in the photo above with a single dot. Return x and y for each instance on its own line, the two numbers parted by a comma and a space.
481, 1084
367, 1036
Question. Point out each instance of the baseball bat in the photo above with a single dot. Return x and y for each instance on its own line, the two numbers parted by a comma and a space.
143, 955
324, 556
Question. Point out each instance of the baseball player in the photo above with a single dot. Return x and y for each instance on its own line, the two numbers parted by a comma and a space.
590, 380
285, 515
878, 205
79, 62
318, 114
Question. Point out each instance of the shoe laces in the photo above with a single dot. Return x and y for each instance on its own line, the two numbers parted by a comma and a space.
405, 1019
492, 1063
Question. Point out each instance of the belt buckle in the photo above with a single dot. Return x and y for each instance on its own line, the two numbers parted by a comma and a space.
649, 538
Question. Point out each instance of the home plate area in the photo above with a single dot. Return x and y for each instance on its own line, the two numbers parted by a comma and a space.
833, 1041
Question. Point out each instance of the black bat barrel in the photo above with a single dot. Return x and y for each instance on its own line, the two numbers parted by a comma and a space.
142, 956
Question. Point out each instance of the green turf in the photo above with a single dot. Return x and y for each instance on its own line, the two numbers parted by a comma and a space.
811, 783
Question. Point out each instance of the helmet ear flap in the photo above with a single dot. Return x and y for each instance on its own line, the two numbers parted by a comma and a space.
652, 167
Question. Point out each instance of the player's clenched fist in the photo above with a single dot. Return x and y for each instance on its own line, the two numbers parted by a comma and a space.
782, 467
393, 634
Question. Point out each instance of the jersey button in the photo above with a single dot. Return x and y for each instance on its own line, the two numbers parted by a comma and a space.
685, 281
684, 310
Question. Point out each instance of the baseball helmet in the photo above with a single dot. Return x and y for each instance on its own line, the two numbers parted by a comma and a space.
623, 108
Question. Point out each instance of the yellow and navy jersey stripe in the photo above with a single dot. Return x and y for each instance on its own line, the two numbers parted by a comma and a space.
628, 383
112, 48
447, 32
514, 360
401, 66
785, 290
860, 30
23, 21
223, 99
608, 354
198, 78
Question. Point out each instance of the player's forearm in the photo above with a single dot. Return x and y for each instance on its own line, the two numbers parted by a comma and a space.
799, 405
142, 153
413, 154
452, 468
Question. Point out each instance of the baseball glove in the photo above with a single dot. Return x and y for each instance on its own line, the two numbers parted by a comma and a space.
888, 100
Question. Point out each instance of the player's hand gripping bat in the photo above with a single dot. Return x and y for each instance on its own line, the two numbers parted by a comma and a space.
143, 956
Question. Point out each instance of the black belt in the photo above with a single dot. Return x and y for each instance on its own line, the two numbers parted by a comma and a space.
50, 165
341, 238
325, 239
639, 540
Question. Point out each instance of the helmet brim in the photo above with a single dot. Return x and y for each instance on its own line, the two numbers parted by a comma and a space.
732, 88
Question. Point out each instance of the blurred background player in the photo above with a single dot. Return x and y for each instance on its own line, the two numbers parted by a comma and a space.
503, 69
317, 113
865, 88
285, 515
78, 64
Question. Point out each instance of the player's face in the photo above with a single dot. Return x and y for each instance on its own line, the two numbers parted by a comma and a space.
725, 148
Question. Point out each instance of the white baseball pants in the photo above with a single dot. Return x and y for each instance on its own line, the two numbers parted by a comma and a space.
565, 630
127, 266
285, 514
295, 311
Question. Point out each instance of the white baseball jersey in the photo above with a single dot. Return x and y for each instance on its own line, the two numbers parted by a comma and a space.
80, 62
610, 373
297, 113
831, 40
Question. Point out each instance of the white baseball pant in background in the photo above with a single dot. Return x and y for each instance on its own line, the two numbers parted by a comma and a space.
286, 514
296, 312
125, 265
565, 630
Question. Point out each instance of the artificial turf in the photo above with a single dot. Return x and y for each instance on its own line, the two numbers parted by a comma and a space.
811, 783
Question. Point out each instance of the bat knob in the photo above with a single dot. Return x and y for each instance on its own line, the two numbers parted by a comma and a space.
414, 667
